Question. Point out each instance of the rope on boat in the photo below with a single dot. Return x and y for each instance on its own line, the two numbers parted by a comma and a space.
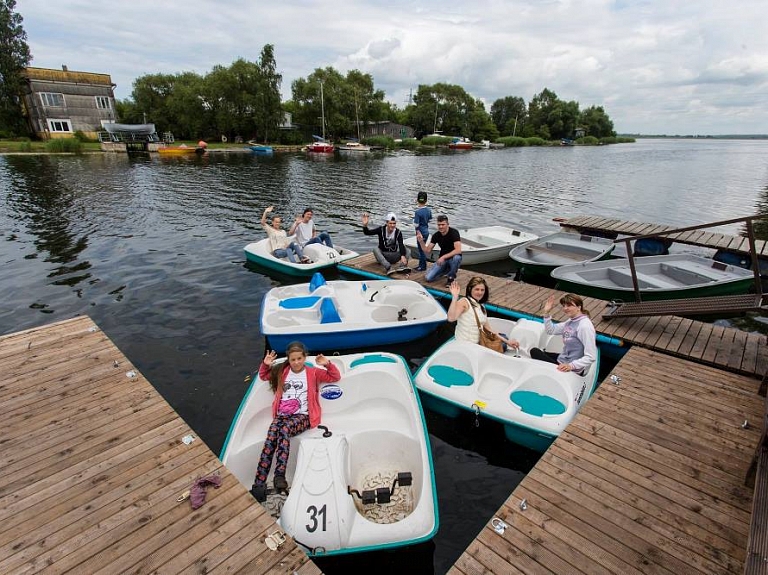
399, 507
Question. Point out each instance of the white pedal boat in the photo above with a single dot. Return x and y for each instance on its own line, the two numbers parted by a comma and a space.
481, 245
320, 255
329, 316
533, 400
378, 435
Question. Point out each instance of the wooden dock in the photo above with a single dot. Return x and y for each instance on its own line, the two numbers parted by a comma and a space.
650, 475
727, 348
702, 238
647, 478
94, 462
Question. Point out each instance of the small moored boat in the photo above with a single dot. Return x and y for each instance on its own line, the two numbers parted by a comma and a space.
533, 400
460, 143
349, 314
541, 256
181, 150
260, 149
364, 481
481, 245
320, 146
320, 256
353, 147
673, 276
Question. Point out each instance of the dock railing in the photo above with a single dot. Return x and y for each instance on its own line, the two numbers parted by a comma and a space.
692, 306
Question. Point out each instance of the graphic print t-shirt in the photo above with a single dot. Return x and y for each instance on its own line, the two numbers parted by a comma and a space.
294, 399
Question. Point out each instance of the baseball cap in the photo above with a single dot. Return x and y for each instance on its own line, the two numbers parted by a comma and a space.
391, 217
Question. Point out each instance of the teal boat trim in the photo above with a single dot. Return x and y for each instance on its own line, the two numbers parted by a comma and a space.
505, 422
236, 418
428, 448
504, 312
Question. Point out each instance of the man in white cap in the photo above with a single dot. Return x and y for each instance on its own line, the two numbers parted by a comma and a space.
391, 248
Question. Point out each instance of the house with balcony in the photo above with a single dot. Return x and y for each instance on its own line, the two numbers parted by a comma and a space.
58, 103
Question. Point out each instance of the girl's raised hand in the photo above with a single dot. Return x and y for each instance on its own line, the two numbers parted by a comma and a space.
270, 357
455, 288
321, 359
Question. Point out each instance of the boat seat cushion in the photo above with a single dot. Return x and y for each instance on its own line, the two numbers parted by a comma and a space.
448, 376
316, 281
299, 302
328, 312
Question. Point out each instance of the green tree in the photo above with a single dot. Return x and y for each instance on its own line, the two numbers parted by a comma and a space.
231, 94
508, 114
14, 57
447, 108
596, 122
344, 99
268, 114
551, 118
150, 95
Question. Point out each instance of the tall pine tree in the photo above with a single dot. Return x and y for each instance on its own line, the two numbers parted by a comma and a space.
14, 57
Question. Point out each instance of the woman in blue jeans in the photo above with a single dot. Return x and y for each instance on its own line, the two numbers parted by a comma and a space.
281, 245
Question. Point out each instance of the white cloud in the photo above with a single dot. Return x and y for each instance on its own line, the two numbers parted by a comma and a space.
656, 66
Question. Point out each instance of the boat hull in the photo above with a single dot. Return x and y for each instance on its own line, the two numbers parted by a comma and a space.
179, 151
483, 245
321, 148
674, 276
322, 257
540, 256
377, 430
532, 400
337, 315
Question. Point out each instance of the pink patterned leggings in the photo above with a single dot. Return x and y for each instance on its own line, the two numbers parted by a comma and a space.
282, 428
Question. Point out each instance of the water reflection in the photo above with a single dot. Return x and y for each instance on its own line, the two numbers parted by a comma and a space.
48, 207
151, 249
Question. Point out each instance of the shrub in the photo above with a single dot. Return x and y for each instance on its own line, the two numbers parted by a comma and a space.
512, 141
536, 141
588, 141
67, 145
435, 141
408, 143
25, 146
81, 137
383, 141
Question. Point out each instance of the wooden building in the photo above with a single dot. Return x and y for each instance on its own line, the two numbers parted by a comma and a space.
58, 103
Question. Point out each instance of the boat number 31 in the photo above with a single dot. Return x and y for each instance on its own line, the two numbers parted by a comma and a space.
316, 518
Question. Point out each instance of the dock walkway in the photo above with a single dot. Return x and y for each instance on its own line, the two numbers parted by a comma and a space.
702, 238
94, 461
647, 478
727, 348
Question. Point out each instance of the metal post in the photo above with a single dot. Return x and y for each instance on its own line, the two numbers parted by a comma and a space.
753, 255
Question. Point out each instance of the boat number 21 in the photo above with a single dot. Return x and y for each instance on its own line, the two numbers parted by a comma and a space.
314, 515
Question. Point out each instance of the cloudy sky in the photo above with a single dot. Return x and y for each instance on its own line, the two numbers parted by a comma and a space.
656, 66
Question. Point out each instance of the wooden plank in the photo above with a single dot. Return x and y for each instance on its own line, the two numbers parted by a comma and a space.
702, 339
656, 514
714, 344
94, 464
640, 482
680, 335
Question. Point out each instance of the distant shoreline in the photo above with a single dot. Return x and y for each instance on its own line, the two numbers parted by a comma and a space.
700, 137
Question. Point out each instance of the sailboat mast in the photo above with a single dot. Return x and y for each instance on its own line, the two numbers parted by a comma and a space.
357, 118
322, 108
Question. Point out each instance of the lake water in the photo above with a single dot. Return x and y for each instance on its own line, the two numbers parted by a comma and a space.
151, 249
